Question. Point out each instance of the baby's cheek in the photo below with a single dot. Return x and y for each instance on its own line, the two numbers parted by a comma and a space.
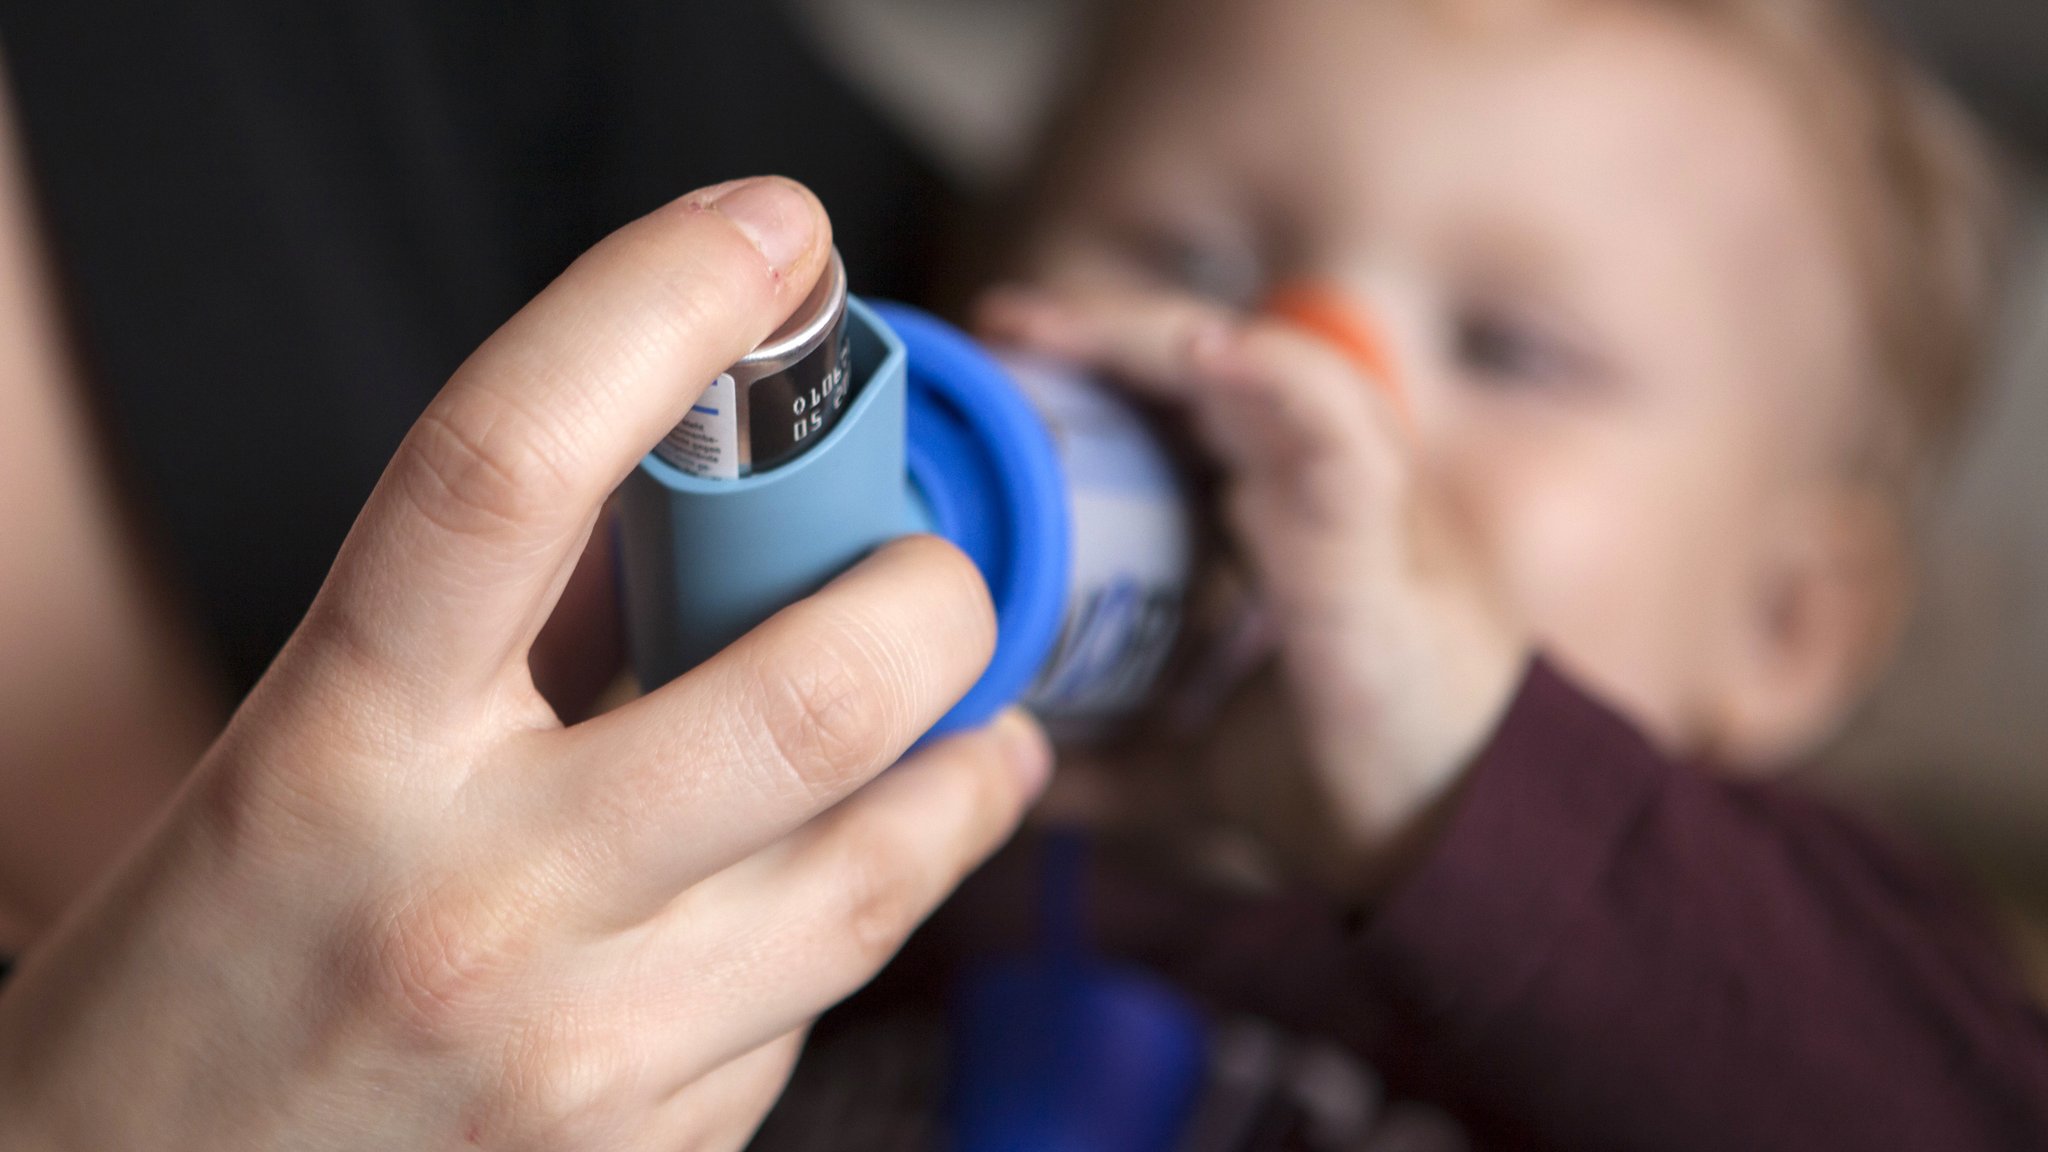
1625, 588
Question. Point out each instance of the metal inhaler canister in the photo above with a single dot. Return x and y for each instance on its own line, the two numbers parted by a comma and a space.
778, 400
859, 423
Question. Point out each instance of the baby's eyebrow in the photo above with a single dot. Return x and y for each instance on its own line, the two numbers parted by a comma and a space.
1507, 255
1520, 261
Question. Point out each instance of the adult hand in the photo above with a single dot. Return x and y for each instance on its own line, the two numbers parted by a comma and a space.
400, 905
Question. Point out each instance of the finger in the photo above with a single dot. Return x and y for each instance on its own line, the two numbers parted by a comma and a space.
1180, 348
1280, 407
1332, 315
1146, 339
476, 523
721, 1111
761, 738
776, 939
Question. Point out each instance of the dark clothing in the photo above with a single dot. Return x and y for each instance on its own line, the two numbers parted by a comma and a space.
281, 225
1607, 950
1613, 951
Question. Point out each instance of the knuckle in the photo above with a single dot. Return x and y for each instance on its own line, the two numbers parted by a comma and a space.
880, 898
485, 468
562, 1084
832, 716
991, 807
264, 816
265, 802
441, 969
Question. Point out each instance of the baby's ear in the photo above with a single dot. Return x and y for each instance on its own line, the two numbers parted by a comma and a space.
1832, 591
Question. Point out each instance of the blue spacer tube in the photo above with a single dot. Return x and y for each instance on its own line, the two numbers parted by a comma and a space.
989, 475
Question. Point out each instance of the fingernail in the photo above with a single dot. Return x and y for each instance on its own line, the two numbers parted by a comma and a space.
773, 213
1029, 752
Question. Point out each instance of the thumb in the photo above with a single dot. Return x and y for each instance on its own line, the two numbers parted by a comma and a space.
479, 520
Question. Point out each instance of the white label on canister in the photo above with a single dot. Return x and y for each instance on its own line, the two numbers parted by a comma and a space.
1133, 549
707, 442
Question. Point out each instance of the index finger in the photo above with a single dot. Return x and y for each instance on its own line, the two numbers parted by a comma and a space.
1148, 339
1154, 340
456, 560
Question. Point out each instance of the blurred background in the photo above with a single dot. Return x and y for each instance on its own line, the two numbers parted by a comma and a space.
1968, 697
1957, 740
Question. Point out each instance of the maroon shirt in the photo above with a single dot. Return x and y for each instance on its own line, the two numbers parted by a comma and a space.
1607, 950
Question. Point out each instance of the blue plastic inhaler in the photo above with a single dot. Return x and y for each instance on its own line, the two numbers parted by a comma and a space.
935, 436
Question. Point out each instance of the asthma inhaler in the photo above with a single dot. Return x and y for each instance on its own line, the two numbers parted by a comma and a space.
856, 424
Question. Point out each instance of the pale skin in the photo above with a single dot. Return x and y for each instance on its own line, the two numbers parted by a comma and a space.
400, 904
1627, 337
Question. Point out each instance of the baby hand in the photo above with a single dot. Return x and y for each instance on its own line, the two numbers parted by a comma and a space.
1395, 656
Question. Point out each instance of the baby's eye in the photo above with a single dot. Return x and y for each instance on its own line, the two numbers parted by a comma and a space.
1207, 266
1498, 348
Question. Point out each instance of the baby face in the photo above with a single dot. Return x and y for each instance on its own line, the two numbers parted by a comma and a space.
1610, 274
